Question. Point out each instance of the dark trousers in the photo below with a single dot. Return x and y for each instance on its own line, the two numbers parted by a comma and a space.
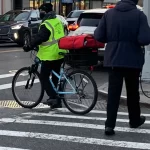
46, 68
116, 76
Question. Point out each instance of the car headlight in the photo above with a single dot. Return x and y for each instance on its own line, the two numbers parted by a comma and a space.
16, 26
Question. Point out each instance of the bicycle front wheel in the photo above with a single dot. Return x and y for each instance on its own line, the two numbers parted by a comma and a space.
85, 98
27, 88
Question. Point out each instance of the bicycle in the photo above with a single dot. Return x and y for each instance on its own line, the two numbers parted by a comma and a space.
65, 80
145, 86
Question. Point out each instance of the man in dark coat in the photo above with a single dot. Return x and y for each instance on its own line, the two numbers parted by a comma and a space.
125, 30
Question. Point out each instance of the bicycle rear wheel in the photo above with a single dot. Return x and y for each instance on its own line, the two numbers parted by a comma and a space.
85, 98
145, 87
27, 88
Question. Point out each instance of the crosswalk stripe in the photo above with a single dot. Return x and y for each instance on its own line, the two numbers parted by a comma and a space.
9, 85
76, 117
99, 112
71, 124
76, 139
10, 148
6, 75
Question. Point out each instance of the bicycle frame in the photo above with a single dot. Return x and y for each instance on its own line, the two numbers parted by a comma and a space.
60, 77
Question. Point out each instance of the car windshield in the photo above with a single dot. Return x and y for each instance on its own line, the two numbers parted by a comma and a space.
90, 19
15, 16
74, 14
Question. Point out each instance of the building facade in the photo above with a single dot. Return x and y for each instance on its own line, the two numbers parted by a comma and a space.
65, 6
7, 5
60, 6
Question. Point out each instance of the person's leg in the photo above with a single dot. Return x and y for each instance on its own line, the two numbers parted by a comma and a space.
54, 101
56, 67
133, 97
114, 92
45, 73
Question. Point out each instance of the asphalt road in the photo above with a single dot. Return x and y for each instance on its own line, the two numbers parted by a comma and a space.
44, 129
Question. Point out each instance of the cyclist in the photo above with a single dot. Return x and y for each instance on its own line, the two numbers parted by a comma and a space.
51, 29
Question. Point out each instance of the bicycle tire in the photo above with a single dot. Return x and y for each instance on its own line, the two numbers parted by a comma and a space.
143, 89
13, 88
95, 93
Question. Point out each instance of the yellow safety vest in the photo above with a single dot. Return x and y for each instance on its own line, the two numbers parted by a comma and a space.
50, 50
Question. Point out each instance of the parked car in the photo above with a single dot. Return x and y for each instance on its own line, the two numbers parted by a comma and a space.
19, 25
73, 16
86, 24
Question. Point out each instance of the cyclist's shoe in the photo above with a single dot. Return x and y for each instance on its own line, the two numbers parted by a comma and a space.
49, 101
139, 123
53, 102
58, 105
109, 131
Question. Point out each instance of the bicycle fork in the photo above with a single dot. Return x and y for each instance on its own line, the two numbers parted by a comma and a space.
31, 72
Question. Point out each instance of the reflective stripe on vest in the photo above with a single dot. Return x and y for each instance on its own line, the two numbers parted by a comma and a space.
53, 39
49, 43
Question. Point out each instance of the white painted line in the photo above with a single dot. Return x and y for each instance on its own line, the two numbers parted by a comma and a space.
21, 83
6, 75
71, 124
77, 139
81, 105
100, 112
102, 91
10, 51
10, 148
76, 117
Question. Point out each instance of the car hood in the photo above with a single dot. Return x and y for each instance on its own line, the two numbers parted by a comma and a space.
10, 23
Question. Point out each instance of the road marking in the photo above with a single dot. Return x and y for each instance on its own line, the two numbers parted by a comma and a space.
9, 51
10, 148
9, 85
6, 75
14, 104
100, 112
71, 124
77, 117
76, 139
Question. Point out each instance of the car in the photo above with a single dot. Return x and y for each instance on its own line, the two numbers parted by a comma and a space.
64, 22
86, 24
73, 16
18, 26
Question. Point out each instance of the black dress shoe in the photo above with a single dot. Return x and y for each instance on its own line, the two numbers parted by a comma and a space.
52, 101
109, 131
59, 105
139, 123
49, 102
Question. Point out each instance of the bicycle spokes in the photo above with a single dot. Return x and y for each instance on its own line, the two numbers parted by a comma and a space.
83, 99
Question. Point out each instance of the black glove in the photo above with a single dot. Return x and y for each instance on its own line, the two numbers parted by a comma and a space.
27, 48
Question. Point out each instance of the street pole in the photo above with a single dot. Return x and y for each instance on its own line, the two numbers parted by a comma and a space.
2, 6
146, 68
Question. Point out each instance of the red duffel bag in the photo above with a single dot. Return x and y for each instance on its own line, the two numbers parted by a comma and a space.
79, 42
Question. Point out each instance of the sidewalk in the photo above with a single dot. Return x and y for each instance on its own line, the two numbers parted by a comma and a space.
143, 99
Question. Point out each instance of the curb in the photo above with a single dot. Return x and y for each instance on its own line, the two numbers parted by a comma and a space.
123, 99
